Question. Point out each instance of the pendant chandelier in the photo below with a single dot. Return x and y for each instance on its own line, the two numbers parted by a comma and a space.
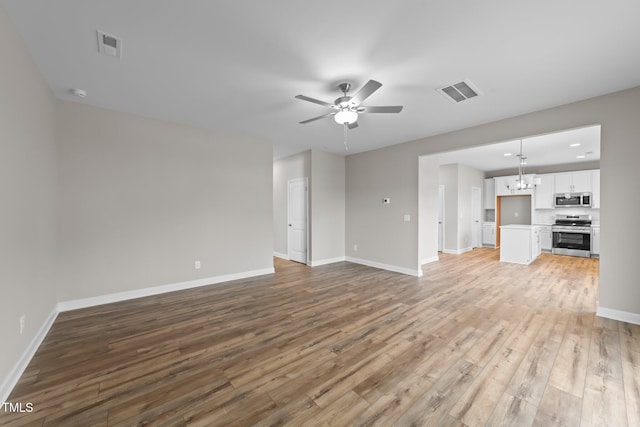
520, 183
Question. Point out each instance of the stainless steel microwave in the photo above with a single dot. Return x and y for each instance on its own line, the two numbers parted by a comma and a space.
572, 200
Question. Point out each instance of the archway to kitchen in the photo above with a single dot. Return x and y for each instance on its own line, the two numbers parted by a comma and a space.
561, 162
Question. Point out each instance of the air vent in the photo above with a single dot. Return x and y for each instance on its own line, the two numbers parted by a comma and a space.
461, 91
109, 45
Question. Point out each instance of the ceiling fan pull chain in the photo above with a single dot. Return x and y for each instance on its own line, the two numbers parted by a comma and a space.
345, 127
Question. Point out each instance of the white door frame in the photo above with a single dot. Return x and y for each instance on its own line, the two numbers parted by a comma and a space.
476, 227
306, 208
441, 199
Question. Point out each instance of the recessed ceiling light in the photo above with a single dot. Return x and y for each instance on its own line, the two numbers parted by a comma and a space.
508, 154
581, 156
575, 144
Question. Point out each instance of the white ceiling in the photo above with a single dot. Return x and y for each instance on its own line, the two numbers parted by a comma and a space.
236, 65
542, 150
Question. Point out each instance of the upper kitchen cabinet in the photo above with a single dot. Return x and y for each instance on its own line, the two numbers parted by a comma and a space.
595, 181
544, 191
573, 182
489, 194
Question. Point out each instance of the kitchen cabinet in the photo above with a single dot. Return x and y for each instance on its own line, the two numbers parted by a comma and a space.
546, 238
595, 240
595, 183
573, 182
489, 194
489, 233
544, 191
519, 244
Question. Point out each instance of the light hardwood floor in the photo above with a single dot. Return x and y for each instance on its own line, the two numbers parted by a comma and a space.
473, 342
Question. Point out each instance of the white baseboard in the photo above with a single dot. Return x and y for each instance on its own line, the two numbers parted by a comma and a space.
281, 255
395, 268
457, 251
326, 261
12, 379
623, 316
430, 260
145, 292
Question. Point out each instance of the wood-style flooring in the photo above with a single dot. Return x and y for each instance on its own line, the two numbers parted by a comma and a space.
474, 342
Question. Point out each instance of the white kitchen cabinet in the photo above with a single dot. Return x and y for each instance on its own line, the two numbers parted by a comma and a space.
546, 238
573, 182
595, 240
489, 194
544, 191
501, 188
595, 183
519, 244
489, 233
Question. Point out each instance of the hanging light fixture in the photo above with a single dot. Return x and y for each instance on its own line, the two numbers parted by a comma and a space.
520, 183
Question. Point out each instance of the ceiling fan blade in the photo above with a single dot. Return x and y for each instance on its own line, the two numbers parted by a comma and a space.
366, 91
388, 109
352, 125
317, 118
315, 101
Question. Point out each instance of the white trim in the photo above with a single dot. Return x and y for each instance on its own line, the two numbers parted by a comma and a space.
623, 316
456, 251
430, 260
145, 292
281, 255
403, 270
14, 375
327, 261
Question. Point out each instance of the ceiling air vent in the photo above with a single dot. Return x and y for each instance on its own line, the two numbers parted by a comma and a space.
109, 45
459, 92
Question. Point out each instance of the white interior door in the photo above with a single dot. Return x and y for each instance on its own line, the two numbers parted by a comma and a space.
297, 220
476, 217
440, 218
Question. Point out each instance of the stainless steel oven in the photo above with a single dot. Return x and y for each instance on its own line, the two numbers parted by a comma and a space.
572, 235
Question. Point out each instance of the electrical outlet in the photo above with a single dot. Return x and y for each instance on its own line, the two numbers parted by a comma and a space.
22, 320
355, 248
197, 265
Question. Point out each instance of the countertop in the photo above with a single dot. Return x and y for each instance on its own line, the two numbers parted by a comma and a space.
520, 226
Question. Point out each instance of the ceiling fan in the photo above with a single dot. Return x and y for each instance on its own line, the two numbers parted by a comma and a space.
346, 108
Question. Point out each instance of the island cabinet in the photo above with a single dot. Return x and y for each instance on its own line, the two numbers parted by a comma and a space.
519, 244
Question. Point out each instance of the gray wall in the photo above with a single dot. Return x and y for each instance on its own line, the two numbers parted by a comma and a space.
429, 203
292, 167
394, 171
379, 230
327, 206
326, 173
515, 210
27, 201
448, 175
140, 200
458, 180
467, 177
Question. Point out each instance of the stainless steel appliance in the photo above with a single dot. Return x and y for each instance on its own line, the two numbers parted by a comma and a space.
572, 200
572, 235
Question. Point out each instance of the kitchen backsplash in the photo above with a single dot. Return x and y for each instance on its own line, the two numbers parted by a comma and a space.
547, 216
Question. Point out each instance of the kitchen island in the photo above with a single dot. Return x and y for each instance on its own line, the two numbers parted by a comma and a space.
519, 244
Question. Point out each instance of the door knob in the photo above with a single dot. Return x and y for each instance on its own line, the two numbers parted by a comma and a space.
289, 225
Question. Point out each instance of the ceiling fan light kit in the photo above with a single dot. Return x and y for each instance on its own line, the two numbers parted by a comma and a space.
346, 116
